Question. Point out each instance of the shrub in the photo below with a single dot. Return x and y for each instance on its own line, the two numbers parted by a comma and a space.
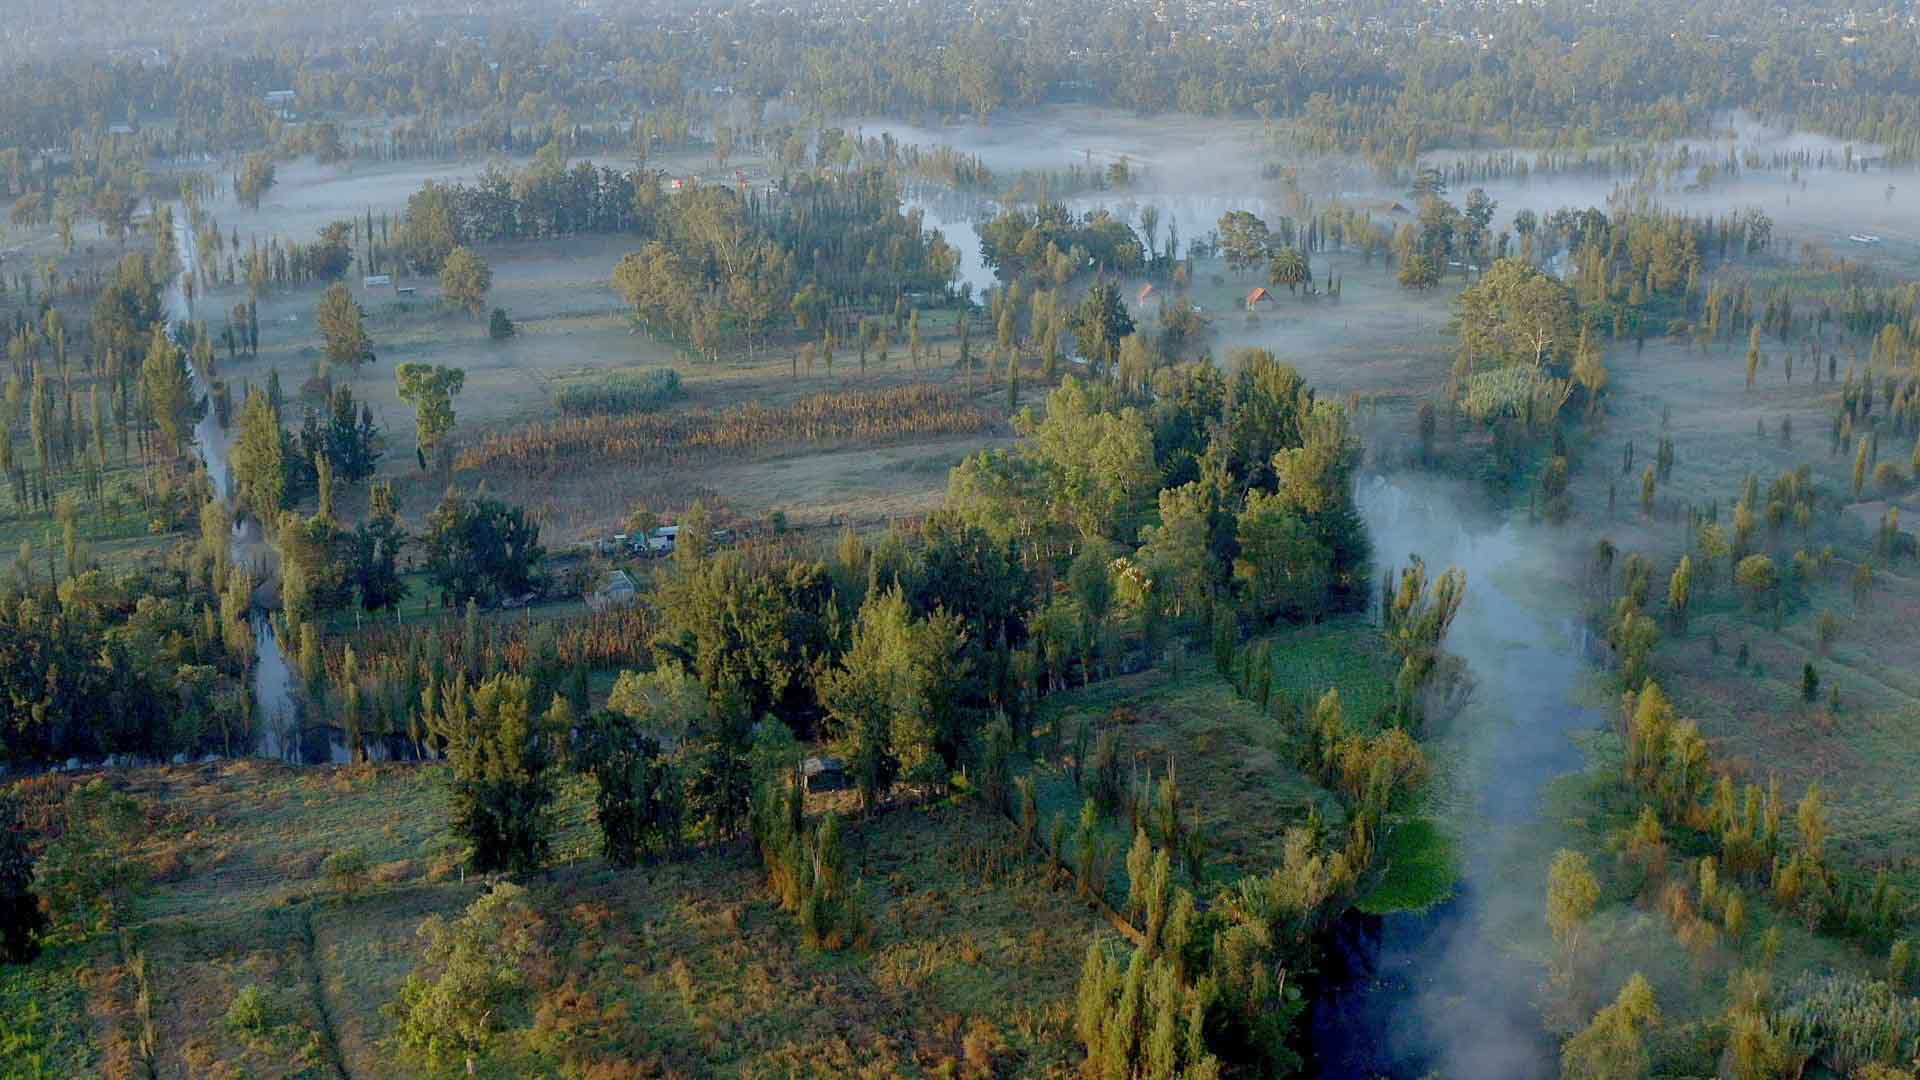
622, 392
1889, 479
1757, 577
247, 1015
807, 869
479, 964
499, 326
20, 918
346, 870
84, 875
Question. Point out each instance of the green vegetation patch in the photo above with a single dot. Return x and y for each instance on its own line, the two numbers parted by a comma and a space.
1233, 760
1420, 870
1348, 653
621, 392
43, 1019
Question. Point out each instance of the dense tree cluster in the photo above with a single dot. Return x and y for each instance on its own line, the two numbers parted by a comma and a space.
479, 548
150, 663
721, 267
1049, 241
1225, 488
546, 199
274, 468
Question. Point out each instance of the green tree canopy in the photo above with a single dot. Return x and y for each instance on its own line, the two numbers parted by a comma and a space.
1516, 314
430, 229
500, 759
479, 548
1097, 462
479, 964
343, 328
429, 388
1290, 268
465, 278
259, 457
1101, 323
1244, 239
169, 390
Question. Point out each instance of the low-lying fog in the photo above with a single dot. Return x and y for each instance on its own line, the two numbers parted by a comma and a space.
1195, 169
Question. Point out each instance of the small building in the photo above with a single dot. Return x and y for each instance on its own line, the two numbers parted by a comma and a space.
824, 774
617, 591
660, 542
1258, 296
376, 281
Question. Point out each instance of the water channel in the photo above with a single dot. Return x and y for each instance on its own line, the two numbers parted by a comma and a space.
274, 710
1414, 993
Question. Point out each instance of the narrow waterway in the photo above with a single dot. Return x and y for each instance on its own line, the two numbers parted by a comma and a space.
1413, 994
953, 215
274, 712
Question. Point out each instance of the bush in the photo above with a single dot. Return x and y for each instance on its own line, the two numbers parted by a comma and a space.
622, 392
346, 870
86, 874
247, 1014
474, 970
1889, 479
499, 327
1829, 629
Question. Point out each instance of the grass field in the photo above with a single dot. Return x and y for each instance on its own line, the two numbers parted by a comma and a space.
117, 532
572, 327
1234, 761
1753, 714
694, 969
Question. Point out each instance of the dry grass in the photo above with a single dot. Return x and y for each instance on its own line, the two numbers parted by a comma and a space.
687, 967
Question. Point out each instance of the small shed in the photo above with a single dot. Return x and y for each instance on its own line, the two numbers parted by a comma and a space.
617, 591
824, 774
660, 542
1145, 294
1258, 296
